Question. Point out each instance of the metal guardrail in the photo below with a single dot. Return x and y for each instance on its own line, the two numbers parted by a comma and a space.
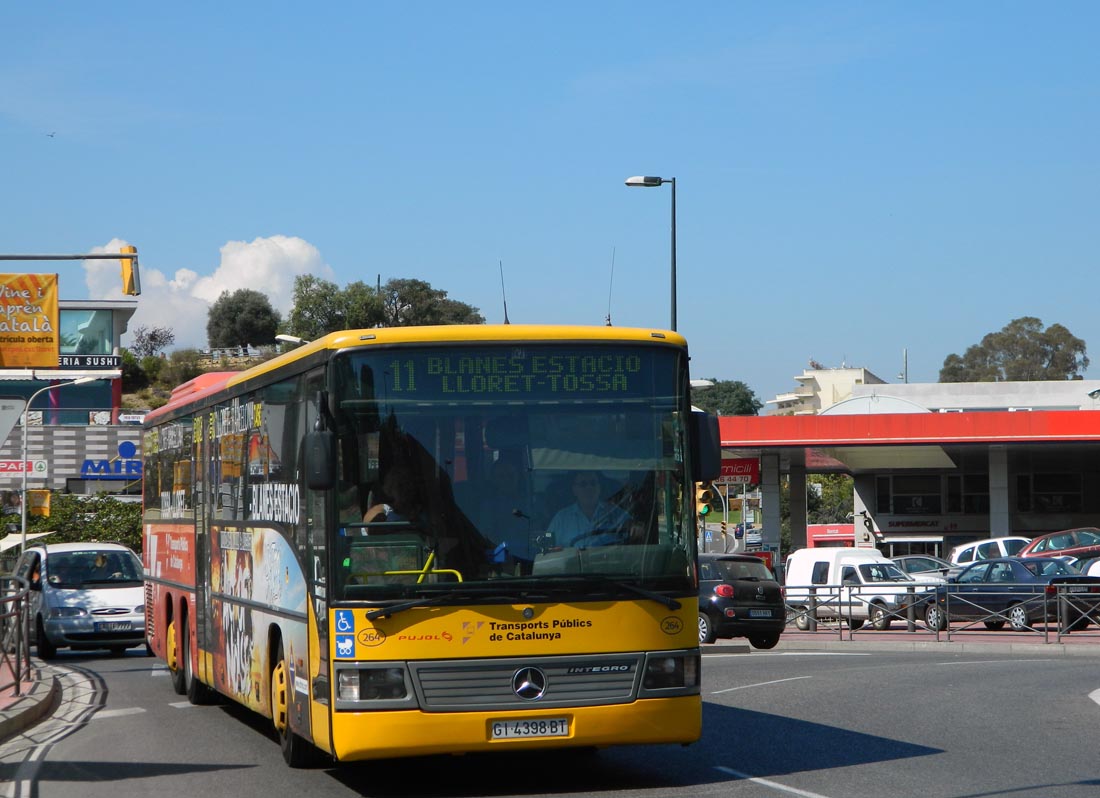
15, 649
856, 607
836, 608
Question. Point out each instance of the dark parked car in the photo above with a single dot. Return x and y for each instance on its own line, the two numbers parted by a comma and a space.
739, 597
1077, 544
1020, 591
925, 566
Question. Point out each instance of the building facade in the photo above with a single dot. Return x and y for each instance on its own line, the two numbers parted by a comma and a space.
75, 436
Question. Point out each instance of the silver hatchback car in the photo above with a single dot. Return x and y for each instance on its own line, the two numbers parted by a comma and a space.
84, 596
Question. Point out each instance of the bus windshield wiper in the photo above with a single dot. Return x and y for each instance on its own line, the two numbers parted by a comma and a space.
441, 598
653, 595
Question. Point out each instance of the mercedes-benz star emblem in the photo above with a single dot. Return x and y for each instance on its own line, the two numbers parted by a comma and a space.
529, 683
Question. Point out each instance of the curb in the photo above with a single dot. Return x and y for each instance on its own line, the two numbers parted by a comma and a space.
43, 698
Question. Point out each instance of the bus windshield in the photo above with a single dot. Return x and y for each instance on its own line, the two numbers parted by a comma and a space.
532, 467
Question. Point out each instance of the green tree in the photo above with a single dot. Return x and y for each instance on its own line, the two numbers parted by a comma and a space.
321, 307
1022, 351
77, 519
727, 398
832, 502
134, 377
181, 366
318, 308
409, 302
242, 318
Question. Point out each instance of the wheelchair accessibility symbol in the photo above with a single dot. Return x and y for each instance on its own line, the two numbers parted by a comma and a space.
345, 621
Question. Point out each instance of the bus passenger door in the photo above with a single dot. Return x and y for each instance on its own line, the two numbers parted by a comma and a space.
205, 634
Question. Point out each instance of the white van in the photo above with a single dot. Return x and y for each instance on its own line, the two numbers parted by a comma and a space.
856, 585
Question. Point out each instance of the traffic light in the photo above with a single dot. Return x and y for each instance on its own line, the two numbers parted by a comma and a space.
704, 495
131, 278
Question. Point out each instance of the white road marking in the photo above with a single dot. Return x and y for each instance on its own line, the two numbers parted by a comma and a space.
774, 785
793, 654
995, 661
181, 705
1095, 696
760, 684
117, 713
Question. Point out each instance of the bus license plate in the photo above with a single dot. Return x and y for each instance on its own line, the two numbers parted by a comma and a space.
540, 727
113, 626
760, 613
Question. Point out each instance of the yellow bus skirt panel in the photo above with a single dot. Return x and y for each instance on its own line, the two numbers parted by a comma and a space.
379, 735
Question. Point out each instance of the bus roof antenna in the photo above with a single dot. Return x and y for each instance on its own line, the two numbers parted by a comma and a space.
611, 282
503, 295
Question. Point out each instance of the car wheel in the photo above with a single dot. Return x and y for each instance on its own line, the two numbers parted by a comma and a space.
764, 641
934, 618
994, 626
802, 621
46, 649
1018, 618
706, 628
855, 624
879, 618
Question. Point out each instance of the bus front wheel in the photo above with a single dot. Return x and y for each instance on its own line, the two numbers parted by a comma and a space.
297, 752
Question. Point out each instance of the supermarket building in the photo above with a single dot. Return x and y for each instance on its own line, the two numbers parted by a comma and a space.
936, 465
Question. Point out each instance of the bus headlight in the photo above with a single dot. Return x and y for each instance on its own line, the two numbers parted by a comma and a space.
672, 671
371, 684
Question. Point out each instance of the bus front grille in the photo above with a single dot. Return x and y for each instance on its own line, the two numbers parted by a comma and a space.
498, 684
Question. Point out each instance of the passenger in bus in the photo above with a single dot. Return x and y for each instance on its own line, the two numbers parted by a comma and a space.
589, 521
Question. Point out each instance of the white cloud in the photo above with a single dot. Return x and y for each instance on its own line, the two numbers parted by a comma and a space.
182, 300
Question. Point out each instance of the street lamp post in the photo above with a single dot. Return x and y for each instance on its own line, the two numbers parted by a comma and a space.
641, 181
26, 410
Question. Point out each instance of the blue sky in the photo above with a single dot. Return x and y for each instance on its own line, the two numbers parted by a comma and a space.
854, 180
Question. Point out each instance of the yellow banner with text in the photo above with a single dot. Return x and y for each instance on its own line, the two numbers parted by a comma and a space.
29, 336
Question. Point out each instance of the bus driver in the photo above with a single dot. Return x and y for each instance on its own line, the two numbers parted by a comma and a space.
589, 521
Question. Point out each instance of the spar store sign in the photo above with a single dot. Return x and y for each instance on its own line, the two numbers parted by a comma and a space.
740, 471
126, 466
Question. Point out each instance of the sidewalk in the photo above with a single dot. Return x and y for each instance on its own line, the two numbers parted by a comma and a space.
38, 697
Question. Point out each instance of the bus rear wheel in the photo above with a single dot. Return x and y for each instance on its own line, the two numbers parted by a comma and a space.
174, 656
297, 752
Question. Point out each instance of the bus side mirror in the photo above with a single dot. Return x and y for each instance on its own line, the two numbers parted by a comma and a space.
706, 465
320, 460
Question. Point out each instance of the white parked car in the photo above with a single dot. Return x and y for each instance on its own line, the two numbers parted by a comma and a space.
987, 549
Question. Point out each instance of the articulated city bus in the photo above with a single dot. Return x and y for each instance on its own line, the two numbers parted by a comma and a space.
407, 541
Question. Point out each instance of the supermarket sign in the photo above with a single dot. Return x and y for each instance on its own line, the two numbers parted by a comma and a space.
35, 467
740, 471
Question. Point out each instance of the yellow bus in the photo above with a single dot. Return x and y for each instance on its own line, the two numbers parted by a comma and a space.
395, 542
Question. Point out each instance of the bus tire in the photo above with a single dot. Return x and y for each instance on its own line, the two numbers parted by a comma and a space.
297, 752
175, 654
197, 692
